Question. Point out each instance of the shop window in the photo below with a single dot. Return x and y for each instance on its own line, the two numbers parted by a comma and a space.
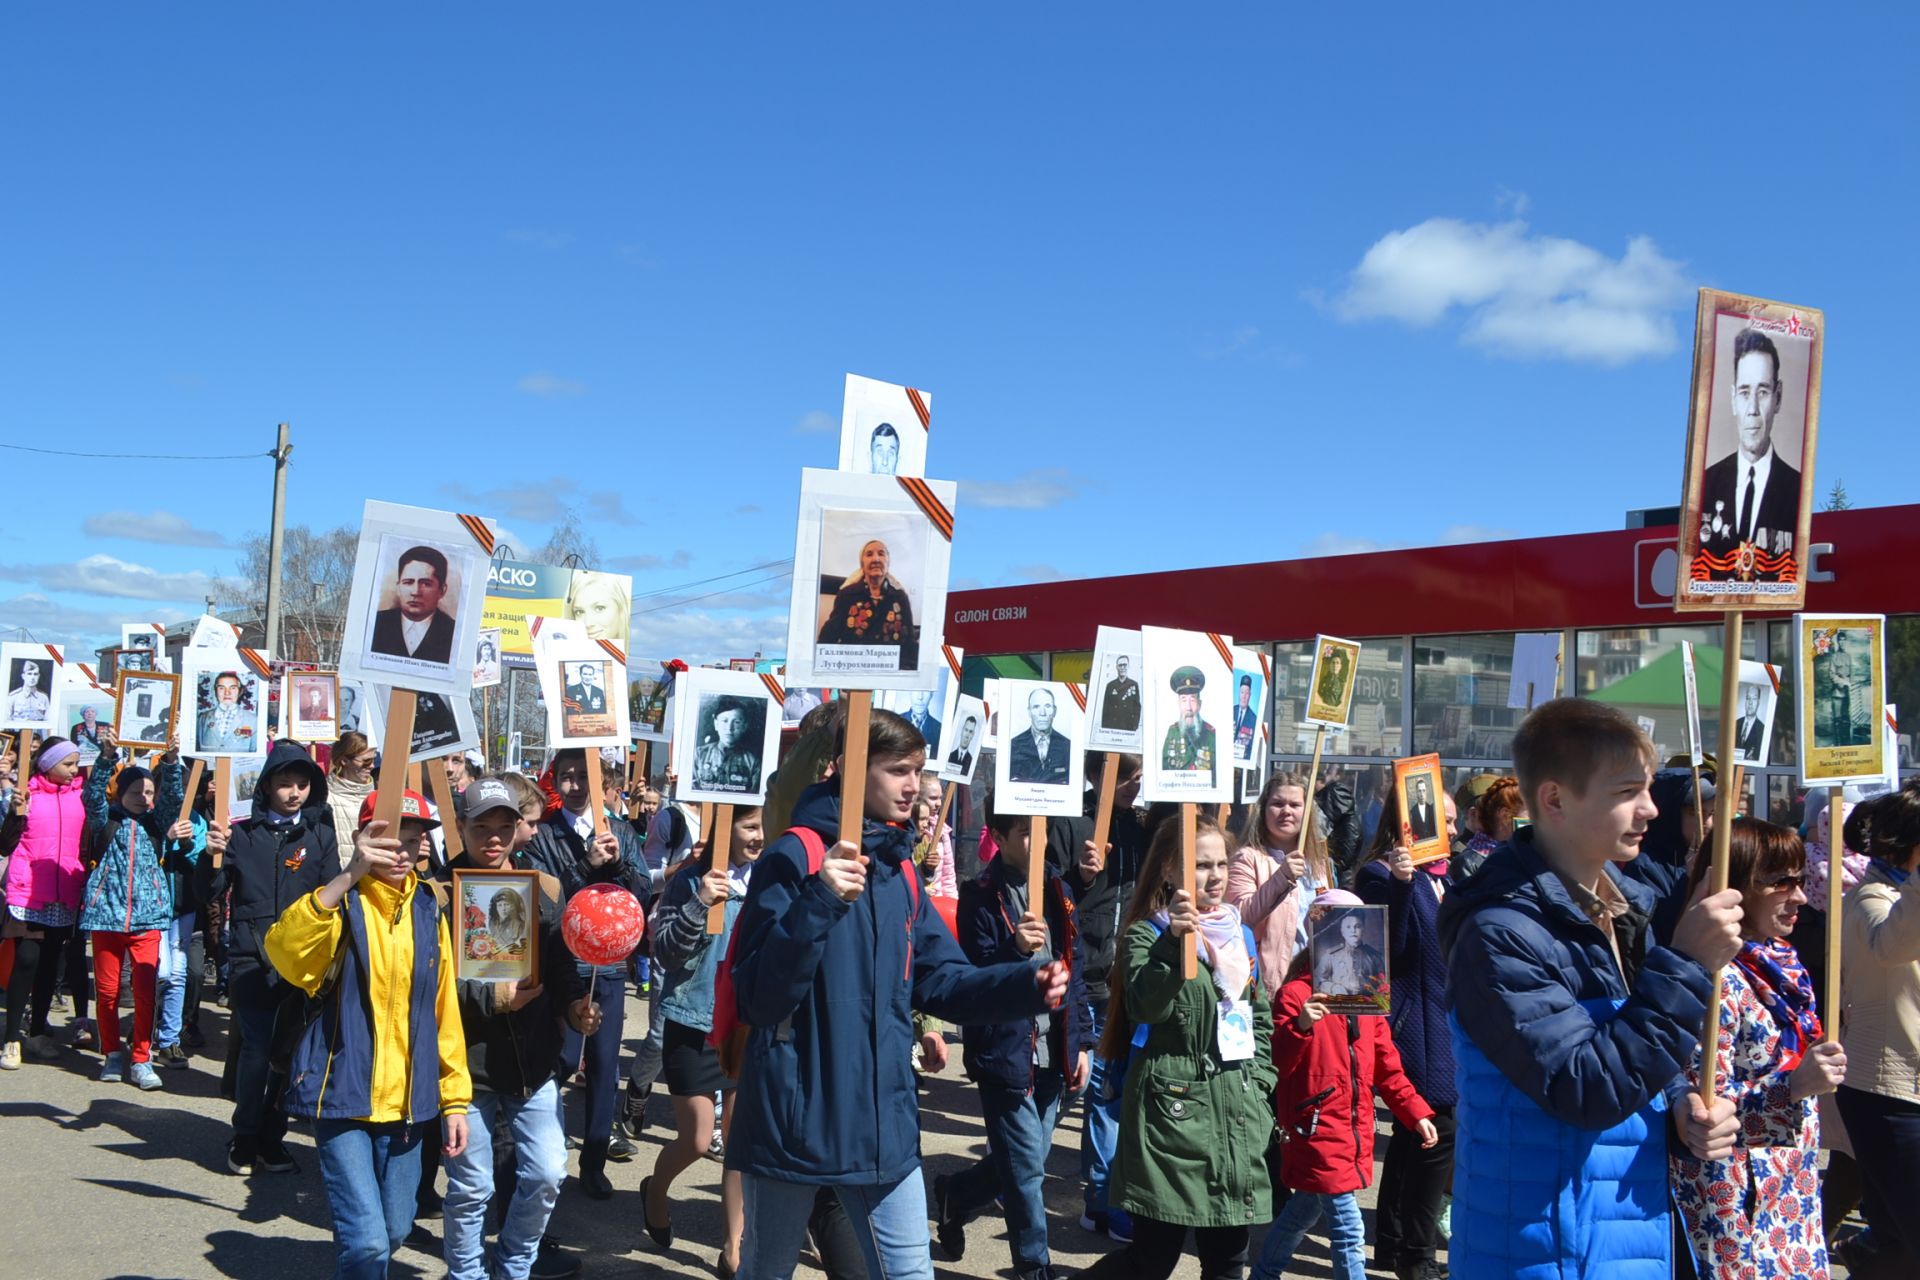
1638, 670
1460, 689
1374, 728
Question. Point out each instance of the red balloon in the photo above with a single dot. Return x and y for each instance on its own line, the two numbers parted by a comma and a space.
602, 924
949, 909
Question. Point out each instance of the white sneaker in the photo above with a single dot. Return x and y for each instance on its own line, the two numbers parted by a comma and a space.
10, 1056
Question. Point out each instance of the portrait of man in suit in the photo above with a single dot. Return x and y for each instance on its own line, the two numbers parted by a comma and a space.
1751, 497
920, 715
1120, 701
1040, 754
583, 688
1246, 721
1750, 731
961, 757
416, 626
1422, 818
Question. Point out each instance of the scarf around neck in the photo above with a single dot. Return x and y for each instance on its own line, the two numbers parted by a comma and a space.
1226, 946
1781, 985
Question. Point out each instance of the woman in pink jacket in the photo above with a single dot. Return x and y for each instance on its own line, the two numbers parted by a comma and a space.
44, 881
1272, 880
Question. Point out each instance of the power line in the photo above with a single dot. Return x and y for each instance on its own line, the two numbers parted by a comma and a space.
719, 577
144, 457
772, 577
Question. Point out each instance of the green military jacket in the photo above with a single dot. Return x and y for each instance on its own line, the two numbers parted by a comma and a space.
1199, 754
1193, 1141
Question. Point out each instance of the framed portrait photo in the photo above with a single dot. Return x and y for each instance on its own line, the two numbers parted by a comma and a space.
79, 715
145, 703
869, 580
961, 739
1188, 678
486, 658
1418, 786
1842, 688
32, 675
1349, 958
727, 739
1249, 704
310, 706
1747, 494
1690, 685
1336, 665
651, 700
226, 710
1754, 707
585, 688
1039, 760
497, 933
1114, 701
883, 428
414, 608
151, 636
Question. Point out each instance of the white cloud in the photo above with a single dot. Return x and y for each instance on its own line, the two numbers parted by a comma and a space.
1034, 491
631, 564
1341, 544
815, 423
697, 635
1456, 534
551, 386
1334, 543
1035, 573
50, 622
156, 526
103, 575
1521, 294
541, 502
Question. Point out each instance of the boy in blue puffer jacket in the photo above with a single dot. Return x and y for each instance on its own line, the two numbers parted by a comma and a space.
1571, 1025
828, 967
128, 898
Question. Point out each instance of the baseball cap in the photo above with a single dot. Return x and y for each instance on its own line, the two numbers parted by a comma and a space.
485, 796
412, 805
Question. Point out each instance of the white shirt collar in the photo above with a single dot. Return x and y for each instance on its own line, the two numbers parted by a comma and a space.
414, 632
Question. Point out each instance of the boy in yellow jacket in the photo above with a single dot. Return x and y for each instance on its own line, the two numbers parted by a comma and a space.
375, 938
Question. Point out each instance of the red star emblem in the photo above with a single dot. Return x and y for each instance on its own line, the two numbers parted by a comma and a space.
1793, 324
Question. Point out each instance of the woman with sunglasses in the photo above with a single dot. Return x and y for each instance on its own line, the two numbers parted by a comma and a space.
1758, 1211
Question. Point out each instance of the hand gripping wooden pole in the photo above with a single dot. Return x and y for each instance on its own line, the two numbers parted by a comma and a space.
1723, 810
394, 749
719, 843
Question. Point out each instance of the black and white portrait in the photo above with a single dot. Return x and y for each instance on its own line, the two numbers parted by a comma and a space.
30, 693
145, 703
924, 709
1117, 700
883, 428
584, 698
961, 738
730, 731
1349, 958
415, 607
1754, 710
419, 608
436, 727
726, 736
1039, 760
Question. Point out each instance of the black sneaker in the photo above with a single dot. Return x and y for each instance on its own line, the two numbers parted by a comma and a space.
241, 1155
951, 1233
275, 1158
193, 1037
619, 1150
551, 1264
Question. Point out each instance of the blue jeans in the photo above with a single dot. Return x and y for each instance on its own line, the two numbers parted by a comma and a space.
372, 1173
257, 1088
1346, 1234
540, 1160
646, 1060
601, 1052
170, 979
888, 1220
1101, 1134
1019, 1135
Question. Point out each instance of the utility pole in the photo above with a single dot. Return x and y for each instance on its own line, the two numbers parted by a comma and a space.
275, 537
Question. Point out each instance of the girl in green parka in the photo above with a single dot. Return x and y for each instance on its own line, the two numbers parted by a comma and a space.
1197, 1110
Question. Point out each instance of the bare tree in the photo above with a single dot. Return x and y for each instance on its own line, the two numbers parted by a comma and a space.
569, 539
316, 569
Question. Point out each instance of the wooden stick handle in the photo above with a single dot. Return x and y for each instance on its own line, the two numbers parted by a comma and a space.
222, 784
640, 762
1189, 945
394, 749
596, 792
1836, 842
23, 763
853, 779
1037, 865
946, 805
443, 801
1103, 814
1723, 810
718, 845
195, 772
1307, 833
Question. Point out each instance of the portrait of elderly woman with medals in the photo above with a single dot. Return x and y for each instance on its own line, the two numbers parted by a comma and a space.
871, 607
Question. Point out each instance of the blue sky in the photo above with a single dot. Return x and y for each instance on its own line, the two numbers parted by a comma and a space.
1189, 284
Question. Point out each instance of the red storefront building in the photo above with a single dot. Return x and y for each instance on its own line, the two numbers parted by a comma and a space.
1438, 626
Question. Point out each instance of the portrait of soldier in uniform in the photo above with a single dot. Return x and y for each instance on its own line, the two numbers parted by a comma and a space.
1189, 746
728, 758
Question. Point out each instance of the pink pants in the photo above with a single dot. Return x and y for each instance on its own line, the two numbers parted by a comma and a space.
108, 951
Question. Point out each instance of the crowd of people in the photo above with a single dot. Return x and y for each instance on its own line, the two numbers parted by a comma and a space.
1540, 1063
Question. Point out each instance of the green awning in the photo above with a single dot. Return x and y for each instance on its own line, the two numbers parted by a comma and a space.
1661, 684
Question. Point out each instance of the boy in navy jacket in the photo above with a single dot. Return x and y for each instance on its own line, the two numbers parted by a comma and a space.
1027, 1069
828, 967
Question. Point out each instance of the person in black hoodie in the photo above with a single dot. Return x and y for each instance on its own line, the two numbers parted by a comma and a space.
514, 1036
285, 851
565, 847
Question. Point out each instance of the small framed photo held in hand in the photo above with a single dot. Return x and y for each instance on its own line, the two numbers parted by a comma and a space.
144, 706
1349, 956
497, 925
1423, 815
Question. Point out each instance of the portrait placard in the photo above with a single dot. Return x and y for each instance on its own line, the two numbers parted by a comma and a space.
32, 673
1349, 958
1336, 665
1690, 683
210, 632
1039, 761
83, 713
883, 428
585, 688
486, 658
1114, 698
442, 724
960, 742
226, 704
1188, 687
869, 580
727, 737
1842, 697
151, 636
133, 660
1747, 493
927, 710
1423, 815
144, 706
310, 706
652, 690
360, 711
1249, 705
413, 611
1753, 725
243, 780
498, 935
1536, 670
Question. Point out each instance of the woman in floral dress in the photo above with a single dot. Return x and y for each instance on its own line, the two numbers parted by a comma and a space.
1757, 1214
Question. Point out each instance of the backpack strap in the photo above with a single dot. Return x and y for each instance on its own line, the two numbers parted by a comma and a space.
815, 846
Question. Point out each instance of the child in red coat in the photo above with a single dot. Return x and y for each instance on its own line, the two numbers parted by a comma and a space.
1329, 1068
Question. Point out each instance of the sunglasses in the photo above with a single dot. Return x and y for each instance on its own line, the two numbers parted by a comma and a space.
1785, 884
